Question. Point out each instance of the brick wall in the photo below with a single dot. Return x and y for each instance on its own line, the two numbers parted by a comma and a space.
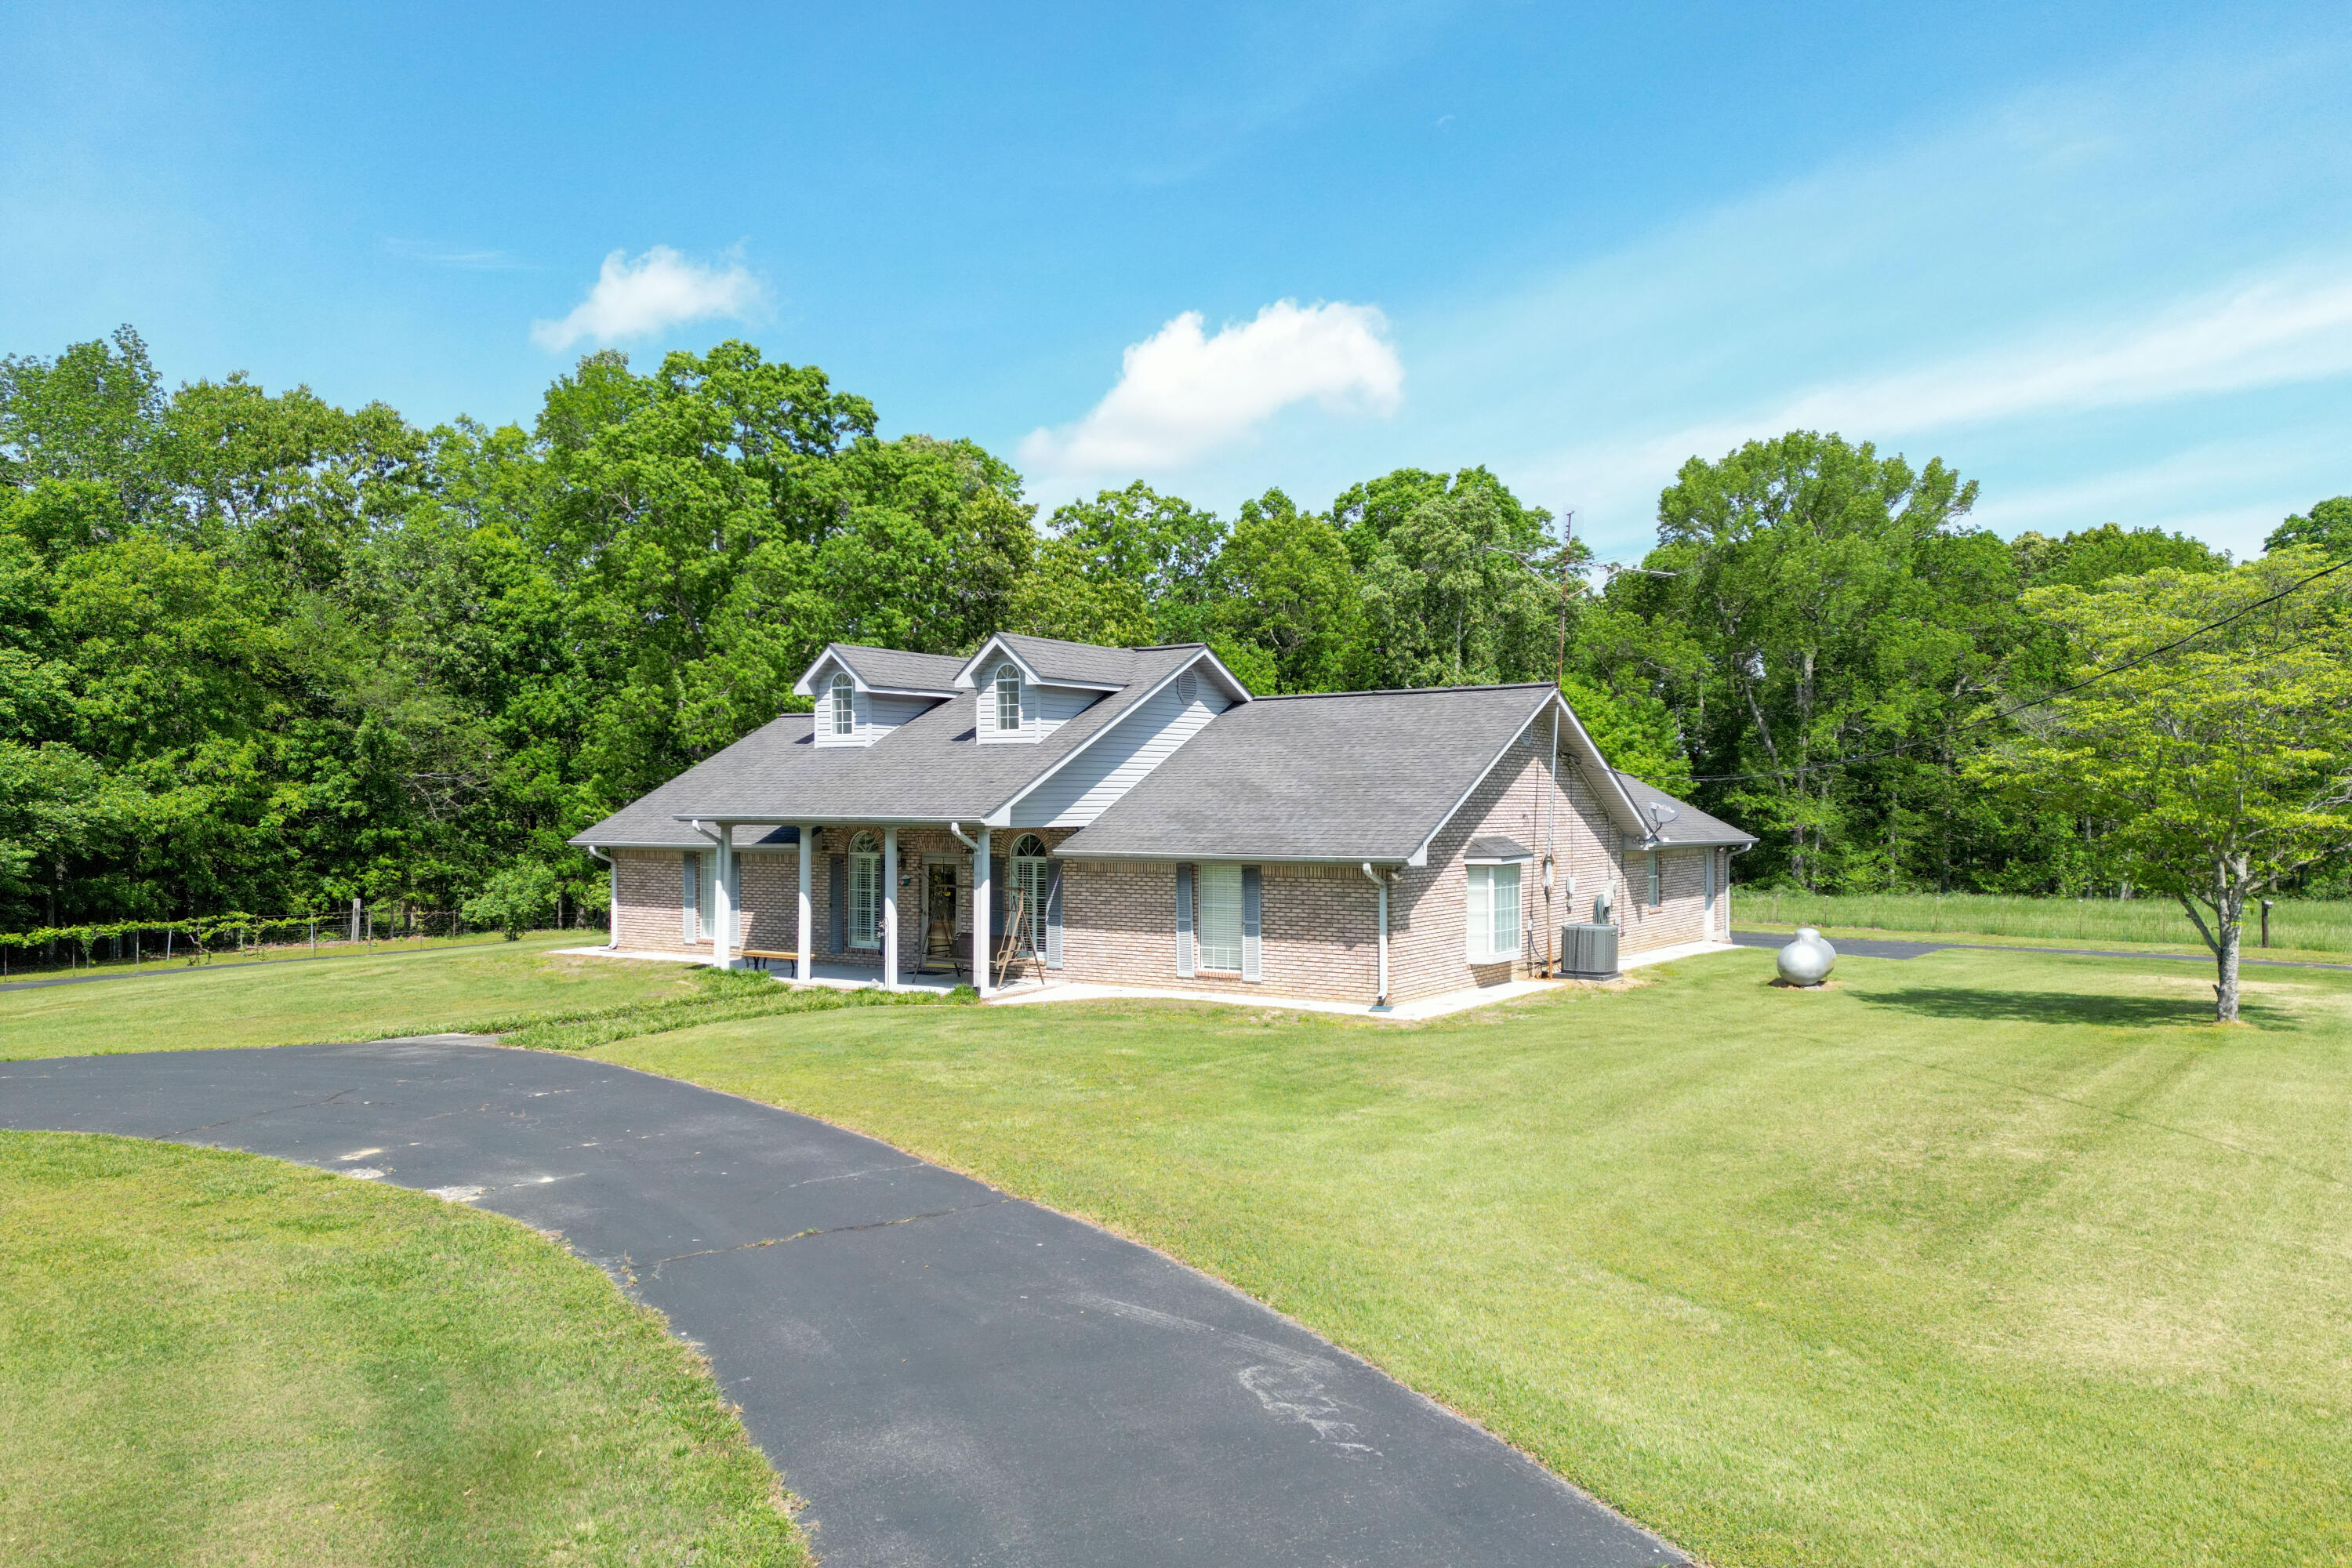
1318, 930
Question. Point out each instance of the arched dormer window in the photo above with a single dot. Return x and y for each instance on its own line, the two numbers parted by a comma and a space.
1008, 697
845, 705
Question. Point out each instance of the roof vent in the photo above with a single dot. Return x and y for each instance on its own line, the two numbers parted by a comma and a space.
1187, 688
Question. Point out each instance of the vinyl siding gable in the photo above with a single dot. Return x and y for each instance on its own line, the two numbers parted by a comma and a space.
875, 714
1120, 759
1043, 709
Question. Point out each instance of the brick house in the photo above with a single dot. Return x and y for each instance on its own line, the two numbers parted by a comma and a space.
1135, 817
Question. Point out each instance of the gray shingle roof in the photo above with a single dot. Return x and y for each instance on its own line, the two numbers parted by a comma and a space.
1364, 775
1496, 848
1688, 824
1085, 664
892, 670
930, 769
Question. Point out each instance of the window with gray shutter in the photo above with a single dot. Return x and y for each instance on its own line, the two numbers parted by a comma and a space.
836, 887
1053, 918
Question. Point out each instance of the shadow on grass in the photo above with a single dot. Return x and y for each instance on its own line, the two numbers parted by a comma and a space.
2064, 1007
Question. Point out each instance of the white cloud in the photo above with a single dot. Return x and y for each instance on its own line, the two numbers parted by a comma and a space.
660, 289
1181, 395
2291, 327
460, 257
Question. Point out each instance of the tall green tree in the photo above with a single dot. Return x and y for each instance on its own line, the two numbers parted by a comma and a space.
1807, 601
2327, 529
2226, 766
1289, 589
1460, 580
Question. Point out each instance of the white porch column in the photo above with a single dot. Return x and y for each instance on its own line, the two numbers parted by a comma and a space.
980, 895
723, 934
1384, 942
805, 965
889, 909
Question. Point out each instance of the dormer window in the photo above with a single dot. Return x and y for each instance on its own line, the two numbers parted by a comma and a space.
845, 705
1008, 697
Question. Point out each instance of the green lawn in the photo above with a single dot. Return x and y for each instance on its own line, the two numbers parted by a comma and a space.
2315, 927
1983, 1257
282, 1002
214, 1358
1978, 1259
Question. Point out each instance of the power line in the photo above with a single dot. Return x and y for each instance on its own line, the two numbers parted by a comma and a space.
2095, 675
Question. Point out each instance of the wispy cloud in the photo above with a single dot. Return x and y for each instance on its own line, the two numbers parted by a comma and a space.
2054, 293
432, 253
659, 290
1182, 394
2293, 327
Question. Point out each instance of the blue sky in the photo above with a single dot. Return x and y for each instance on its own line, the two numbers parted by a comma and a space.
2097, 256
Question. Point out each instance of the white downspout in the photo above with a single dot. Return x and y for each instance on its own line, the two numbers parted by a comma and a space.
1381, 1004
612, 901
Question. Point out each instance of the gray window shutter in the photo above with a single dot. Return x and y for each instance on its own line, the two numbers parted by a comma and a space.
689, 897
1053, 917
836, 886
1184, 920
995, 900
1252, 968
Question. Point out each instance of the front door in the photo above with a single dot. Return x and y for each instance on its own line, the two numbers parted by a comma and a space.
939, 914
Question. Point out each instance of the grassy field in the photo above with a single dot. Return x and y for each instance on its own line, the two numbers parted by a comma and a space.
214, 1358
347, 998
1976, 1258
2308, 925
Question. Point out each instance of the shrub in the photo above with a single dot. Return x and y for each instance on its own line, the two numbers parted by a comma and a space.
514, 901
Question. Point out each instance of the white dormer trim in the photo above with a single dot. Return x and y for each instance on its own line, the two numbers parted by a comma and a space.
807, 685
1003, 816
996, 648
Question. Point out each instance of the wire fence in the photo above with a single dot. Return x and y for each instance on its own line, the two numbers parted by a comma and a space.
236, 935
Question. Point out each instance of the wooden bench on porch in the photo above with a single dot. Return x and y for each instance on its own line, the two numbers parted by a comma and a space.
761, 957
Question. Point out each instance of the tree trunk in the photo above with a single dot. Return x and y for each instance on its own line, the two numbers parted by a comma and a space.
2229, 911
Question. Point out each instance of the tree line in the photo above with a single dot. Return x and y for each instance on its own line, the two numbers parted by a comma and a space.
260, 653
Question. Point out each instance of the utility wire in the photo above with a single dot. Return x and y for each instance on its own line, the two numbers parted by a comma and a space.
2095, 675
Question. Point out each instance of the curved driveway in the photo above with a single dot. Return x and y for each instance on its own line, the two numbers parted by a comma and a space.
949, 1375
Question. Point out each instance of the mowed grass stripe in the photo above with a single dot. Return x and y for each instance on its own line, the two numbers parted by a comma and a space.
1972, 1259
208, 1357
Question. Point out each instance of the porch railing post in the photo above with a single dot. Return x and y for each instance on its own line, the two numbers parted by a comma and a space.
889, 909
980, 893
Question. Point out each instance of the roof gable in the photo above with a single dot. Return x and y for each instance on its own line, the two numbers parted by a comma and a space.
889, 670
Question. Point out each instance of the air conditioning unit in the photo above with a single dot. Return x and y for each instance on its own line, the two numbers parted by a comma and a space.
1588, 952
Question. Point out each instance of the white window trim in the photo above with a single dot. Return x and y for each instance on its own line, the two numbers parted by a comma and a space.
842, 686
997, 694
865, 883
1203, 947
1479, 910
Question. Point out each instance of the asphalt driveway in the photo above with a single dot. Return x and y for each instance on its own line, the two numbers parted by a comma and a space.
949, 1375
